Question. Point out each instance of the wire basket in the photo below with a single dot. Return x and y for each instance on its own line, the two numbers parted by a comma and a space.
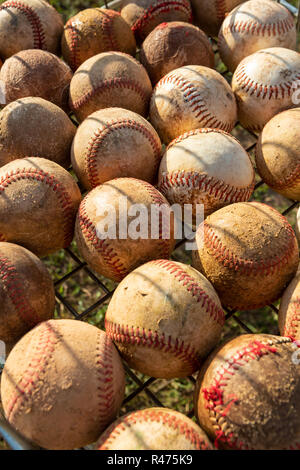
71, 270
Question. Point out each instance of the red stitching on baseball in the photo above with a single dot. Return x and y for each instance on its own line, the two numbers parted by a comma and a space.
214, 395
172, 421
214, 311
221, 9
279, 91
254, 28
109, 38
15, 289
194, 99
74, 45
149, 339
109, 85
158, 199
225, 256
39, 38
158, 8
63, 197
206, 184
48, 339
103, 132
293, 323
101, 246
104, 364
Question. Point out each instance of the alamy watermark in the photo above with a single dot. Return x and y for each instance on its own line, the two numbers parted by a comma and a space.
123, 221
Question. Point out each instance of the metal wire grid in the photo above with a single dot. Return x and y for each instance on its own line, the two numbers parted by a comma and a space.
143, 386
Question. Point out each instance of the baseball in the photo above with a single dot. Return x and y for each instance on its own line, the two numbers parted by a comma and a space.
248, 394
110, 79
289, 310
253, 26
62, 384
278, 153
164, 318
38, 205
154, 429
113, 143
144, 15
120, 248
35, 127
191, 97
206, 166
40, 73
29, 24
297, 230
263, 84
26, 292
209, 15
172, 45
93, 31
249, 252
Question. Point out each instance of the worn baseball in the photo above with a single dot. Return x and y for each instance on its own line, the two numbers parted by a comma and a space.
26, 292
191, 97
209, 15
93, 31
38, 205
249, 252
35, 73
29, 24
144, 15
289, 310
62, 384
35, 127
248, 394
297, 228
110, 79
113, 143
278, 153
206, 166
154, 429
115, 235
172, 45
165, 317
264, 84
253, 26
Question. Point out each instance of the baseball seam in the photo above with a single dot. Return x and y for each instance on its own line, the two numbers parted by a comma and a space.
105, 389
103, 132
109, 85
259, 90
220, 9
158, 200
41, 357
172, 421
229, 260
206, 184
101, 246
157, 8
39, 38
194, 100
74, 44
293, 323
147, 338
214, 396
107, 22
254, 28
13, 286
39, 175
191, 285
